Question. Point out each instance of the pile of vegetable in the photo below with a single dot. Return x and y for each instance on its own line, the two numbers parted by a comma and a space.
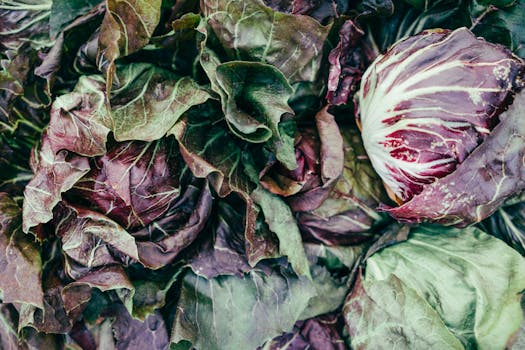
258, 174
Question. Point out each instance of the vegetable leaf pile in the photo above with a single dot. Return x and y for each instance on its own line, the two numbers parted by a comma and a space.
261, 174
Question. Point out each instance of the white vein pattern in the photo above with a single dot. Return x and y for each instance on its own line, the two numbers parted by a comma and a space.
418, 126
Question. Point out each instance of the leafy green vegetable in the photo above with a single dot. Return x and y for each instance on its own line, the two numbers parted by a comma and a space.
183, 174
478, 307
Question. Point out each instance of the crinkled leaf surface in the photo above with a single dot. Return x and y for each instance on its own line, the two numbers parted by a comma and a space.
144, 107
250, 31
150, 100
127, 27
79, 120
204, 142
319, 156
387, 314
135, 182
254, 100
20, 262
348, 215
219, 313
56, 173
481, 308
89, 237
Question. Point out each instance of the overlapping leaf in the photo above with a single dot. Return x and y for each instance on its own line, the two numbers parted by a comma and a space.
250, 31
480, 309
207, 321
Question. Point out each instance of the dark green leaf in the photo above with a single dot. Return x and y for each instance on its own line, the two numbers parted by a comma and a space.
508, 224
151, 289
281, 221
501, 22
64, 11
254, 100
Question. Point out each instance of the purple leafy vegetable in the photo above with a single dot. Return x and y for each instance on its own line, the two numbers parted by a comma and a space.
420, 146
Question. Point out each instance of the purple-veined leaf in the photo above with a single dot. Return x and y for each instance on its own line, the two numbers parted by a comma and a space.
134, 183
91, 239
318, 333
79, 121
